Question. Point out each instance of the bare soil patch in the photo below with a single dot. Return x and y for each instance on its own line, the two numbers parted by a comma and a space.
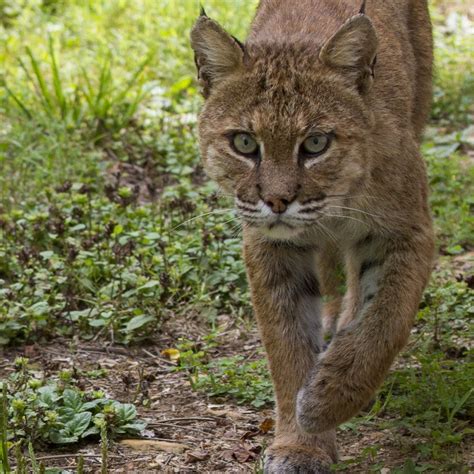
187, 431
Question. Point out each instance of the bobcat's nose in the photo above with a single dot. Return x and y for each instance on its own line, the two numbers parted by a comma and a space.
277, 205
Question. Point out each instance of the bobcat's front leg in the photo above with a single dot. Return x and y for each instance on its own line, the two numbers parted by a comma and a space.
287, 304
389, 287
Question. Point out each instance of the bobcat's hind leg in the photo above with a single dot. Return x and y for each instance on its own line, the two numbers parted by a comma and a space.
331, 279
288, 303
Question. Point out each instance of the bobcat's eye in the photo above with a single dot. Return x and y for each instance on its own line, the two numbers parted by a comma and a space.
316, 144
245, 144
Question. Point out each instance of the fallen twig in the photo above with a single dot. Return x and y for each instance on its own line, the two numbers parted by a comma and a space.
190, 418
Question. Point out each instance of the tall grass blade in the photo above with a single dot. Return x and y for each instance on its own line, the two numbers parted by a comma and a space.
102, 105
134, 78
39, 94
34, 463
35, 86
45, 94
3, 426
80, 465
459, 405
87, 91
104, 448
57, 84
20, 460
17, 100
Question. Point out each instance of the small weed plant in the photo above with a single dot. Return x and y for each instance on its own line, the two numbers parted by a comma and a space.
89, 263
234, 377
55, 411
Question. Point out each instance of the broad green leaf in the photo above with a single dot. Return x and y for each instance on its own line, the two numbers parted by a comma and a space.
48, 396
72, 399
93, 404
125, 411
138, 322
92, 431
61, 438
135, 427
78, 424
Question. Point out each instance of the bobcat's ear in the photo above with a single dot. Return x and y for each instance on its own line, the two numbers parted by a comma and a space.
217, 54
353, 49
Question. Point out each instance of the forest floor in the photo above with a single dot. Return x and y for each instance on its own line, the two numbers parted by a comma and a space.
187, 430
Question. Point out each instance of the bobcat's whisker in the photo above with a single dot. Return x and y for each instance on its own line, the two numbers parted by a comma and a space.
247, 214
234, 232
224, 195
328, 233
342, 216
255, 220
230, 220
355, 210
215, 211
247, 207
350, 196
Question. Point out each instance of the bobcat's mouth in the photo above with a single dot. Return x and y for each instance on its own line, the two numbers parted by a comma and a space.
281, 230
280, 222
283, 225
277, 227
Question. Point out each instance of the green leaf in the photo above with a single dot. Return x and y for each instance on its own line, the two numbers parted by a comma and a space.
78, 424
149, 284
88, 406
134, 428
40, 308
72, 399
455, 250
48, 396
47, 254
125, 411
92, 431
118, 229
57, 437
138, 322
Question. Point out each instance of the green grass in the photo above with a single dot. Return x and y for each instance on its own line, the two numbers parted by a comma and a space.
77, 262
244, 381
454, 76
106, 84
451, 177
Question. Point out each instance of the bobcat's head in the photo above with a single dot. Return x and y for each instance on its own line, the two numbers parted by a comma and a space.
284, 127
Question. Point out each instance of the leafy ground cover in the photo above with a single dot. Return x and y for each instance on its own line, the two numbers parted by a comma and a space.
120, 272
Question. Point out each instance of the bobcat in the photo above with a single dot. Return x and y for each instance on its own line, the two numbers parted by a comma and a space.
314, 126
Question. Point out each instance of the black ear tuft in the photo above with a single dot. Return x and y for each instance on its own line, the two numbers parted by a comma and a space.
241, 45
362, 8
202, 12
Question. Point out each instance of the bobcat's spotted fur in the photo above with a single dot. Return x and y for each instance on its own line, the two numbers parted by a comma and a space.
314, 126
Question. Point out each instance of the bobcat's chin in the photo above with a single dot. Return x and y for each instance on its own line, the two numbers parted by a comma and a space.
280, 231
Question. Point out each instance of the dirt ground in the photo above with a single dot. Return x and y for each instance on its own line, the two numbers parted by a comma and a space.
187, 431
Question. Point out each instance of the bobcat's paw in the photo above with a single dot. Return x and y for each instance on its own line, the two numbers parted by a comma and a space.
332, 394
293, 460
324, 403
312, 414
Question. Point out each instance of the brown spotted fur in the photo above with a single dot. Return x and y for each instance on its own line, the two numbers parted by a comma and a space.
311, 64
